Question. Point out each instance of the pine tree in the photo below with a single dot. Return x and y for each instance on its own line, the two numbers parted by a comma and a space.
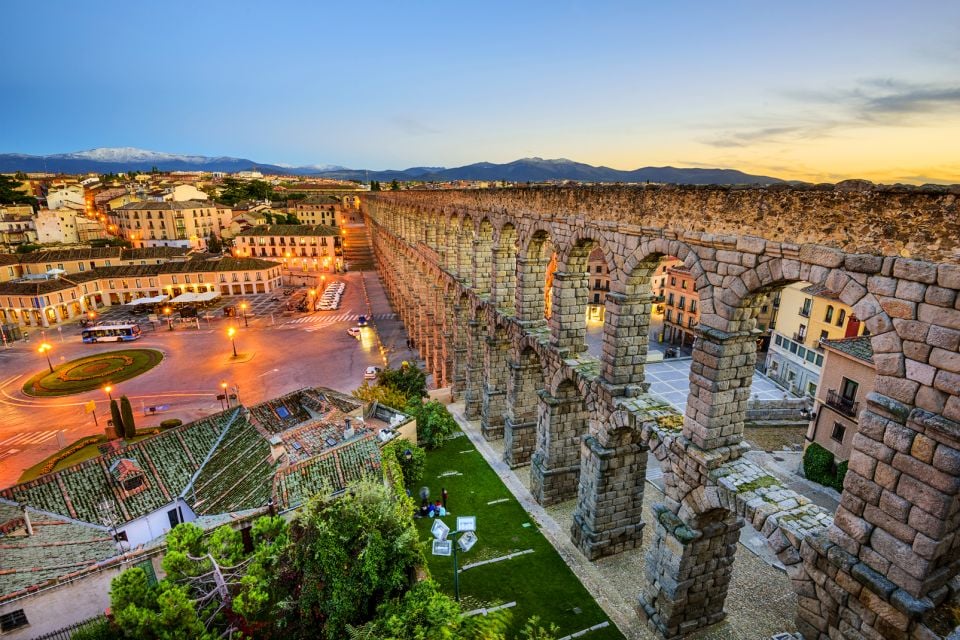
126, 413
117, 420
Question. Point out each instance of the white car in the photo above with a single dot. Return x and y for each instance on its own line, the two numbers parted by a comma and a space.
354, 331
371, 373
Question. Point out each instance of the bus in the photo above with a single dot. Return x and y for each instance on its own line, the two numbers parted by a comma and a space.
111, 333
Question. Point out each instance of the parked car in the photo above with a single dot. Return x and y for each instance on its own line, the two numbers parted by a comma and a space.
354, 331
362, 321
371, 373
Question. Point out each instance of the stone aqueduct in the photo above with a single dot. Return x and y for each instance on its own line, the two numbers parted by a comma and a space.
466, 272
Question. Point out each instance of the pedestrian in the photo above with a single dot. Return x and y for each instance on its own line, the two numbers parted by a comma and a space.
443, 494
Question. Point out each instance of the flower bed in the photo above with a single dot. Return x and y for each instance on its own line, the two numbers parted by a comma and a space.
92, 372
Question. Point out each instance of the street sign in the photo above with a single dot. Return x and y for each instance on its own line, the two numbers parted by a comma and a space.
439, 530
90, 406
442, 547
466, 523
467, 540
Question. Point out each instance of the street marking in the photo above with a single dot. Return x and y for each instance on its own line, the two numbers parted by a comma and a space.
34, 437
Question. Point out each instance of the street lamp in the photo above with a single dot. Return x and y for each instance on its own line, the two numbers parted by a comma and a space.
44, 349
243, 309
446, 542
107, 389
166, 312
224, 398
231, 332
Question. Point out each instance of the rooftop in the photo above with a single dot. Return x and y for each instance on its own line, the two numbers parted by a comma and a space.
859, 348
821, 291
291, 230
166, 206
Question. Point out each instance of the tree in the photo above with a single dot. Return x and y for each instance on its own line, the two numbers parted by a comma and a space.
213, 243
434, 423
164, 612
28, 247
185, 539
126, 415
374, 185
292, 219
268, 217
117, 419
20, 176
347, 554
408, 380
394, 185
387, 396
412, 468
226, 546
10, 192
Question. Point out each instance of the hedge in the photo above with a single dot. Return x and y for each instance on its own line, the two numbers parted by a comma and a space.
820, 466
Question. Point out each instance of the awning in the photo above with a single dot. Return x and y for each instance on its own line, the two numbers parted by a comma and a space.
139, 301
207, 296
184, 297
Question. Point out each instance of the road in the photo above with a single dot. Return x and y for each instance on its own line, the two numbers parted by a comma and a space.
294, 351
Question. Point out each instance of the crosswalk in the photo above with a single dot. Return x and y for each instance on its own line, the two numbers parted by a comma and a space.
343, 317
27, 438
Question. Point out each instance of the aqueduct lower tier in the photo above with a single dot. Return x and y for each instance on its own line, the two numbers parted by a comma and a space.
467, 272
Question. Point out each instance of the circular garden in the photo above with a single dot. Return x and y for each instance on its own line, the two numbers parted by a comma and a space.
92, 372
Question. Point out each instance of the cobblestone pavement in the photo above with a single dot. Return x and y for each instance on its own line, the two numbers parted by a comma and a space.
760, 601
670, 380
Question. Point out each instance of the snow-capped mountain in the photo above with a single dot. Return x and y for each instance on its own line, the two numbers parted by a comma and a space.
116, 159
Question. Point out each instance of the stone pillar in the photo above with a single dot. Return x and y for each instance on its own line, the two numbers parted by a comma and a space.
530, 296
520, 424
688, 571
482, 267
464, 253
459, 350
504, 281
494, 403
609, 512
568, 325
555, 465
625, 335
720, 378
472, 396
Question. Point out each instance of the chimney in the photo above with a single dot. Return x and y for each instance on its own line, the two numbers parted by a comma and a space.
26, 519
348, 430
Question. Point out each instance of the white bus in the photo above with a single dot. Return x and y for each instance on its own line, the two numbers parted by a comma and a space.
111, 333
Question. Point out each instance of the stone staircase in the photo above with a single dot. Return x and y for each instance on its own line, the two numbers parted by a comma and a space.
357, 250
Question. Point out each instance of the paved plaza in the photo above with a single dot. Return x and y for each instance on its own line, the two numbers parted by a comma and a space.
670, 380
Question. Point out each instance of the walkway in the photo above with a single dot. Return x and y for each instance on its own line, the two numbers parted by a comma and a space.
670, 380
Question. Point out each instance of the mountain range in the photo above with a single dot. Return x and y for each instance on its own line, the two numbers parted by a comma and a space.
114, 160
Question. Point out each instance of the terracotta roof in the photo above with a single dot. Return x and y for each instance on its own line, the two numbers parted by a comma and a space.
9, 258
821, 291
166, 206
44, 286
66, 255
859, 348
318, 200
291, 230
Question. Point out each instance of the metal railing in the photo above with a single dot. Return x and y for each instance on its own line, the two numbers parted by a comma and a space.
845, 406
799, 337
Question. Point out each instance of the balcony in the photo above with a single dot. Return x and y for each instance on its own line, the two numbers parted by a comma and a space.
845, 406
799, 337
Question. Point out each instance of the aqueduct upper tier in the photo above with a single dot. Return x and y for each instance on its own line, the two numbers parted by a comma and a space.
492, 286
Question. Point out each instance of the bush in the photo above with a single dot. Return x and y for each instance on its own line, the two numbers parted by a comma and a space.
819, 466
126, 414
411, 469
434, 423
171, 423
99, 629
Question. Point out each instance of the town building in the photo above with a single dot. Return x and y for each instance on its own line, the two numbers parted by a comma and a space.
324, 209
300, 247
68, 193
681, 306
598, 274
16, 230
848, 376
66, 225
171, 224
67, 533
807, 315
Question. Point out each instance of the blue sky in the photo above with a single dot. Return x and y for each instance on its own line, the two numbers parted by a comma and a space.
815, 90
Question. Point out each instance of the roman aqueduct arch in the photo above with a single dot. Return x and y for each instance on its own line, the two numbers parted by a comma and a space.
467, 272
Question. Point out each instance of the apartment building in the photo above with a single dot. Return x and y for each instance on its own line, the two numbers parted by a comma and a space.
808, 315
185, 224
299, 247
325, 210
681, 306
598, 282
848, 376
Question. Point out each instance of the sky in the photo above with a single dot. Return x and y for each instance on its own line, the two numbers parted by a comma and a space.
818, 91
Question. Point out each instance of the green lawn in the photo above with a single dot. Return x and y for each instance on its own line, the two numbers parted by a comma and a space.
539, 582
92, 450
92, 372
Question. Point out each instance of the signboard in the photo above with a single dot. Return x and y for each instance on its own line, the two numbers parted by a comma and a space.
90, 406
442, 547
467, 540
466, 523
439, 530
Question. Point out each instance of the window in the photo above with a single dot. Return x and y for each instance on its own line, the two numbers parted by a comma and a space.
670, 300
828, 316
596, 298
838, 432
693, 308
824, 334
669, 315
811, 389
805, 309
13, 620
848, 389
683, 284
80, 265
841, 317
599, 269
778, 340
679, 318
819, 360
673, 281
683, 302
174, 516
802, 333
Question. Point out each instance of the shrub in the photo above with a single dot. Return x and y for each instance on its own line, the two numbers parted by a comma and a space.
434, 423
841, 474
411, 469
126, 414
98, 629
819, 466
171, 423
117, 419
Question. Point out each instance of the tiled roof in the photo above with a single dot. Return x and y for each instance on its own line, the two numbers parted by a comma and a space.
44, 286
859, 348
57, 547
8, 258
821, 291
153, 253
318, 200
237, 476
291, 230
329, 472
67, 255
225, 263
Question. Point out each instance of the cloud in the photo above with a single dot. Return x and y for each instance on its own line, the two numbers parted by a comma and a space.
871, 102
412, 126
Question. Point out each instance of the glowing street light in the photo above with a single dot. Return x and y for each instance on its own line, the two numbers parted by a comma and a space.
231, 332
223, 395
44, 349
166, 312
107, 389
243, 309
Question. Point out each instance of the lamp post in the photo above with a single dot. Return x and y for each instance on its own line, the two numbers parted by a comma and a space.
44, 349
166, 314
243, 310
107, 389
446, 542
224, 398
231, 332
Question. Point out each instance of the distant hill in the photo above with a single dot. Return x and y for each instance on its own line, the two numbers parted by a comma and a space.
114, 160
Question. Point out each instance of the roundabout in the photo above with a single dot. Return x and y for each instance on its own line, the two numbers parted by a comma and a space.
92, 372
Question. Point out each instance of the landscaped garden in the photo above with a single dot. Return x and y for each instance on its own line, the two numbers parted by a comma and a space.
92, 372
537, 580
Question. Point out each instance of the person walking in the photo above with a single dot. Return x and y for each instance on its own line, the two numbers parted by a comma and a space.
443, 494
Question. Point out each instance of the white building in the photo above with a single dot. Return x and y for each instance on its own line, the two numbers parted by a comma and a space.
71, 193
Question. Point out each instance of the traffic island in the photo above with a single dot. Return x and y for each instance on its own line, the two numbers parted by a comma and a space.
92, 372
